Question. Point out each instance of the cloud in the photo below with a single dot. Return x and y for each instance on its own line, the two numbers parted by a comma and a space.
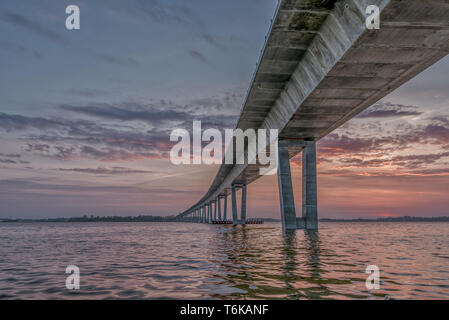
129, 112
122, 147
163, 12
227, 104
440, 120
132, 140
64, 153
64, 139
388, 114
418, 160
37, 147
12, 158
376, 174
89, 93
18, 48
412, 161
217, 112
121, 61
105, 171
60, 196
14, 122
145, 128
10, 155
57, 152
337, 144
111, 154
9, 161
435, 133
68, 139
198, 56
34, 27
213, 41
389, 110
44, 186
402, 147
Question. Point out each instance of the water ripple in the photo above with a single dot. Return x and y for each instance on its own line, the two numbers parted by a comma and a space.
194, 261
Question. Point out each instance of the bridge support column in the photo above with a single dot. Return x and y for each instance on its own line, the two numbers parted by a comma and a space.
234, 205
209, 212
309, 186
286, 197
309, 219
219, 207
215, 210
235, 219
243, 208
225, 209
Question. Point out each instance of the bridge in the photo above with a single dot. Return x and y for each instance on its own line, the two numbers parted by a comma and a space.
320, 67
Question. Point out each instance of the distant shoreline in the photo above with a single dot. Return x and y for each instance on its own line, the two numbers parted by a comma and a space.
170, 219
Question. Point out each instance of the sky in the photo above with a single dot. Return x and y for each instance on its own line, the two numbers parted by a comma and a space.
86, 115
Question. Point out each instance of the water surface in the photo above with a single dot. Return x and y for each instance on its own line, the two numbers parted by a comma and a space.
197, 261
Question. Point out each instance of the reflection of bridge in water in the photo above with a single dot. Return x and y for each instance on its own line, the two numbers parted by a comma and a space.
320, 67
287, 270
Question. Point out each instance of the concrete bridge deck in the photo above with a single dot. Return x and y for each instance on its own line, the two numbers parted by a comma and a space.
320, 67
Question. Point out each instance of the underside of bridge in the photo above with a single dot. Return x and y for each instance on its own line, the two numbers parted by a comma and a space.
320, 67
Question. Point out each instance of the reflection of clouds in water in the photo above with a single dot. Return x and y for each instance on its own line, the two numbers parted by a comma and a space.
261, 262
195, 261
264, 263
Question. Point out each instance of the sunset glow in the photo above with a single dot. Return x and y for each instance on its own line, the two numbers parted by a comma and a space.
92, 135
